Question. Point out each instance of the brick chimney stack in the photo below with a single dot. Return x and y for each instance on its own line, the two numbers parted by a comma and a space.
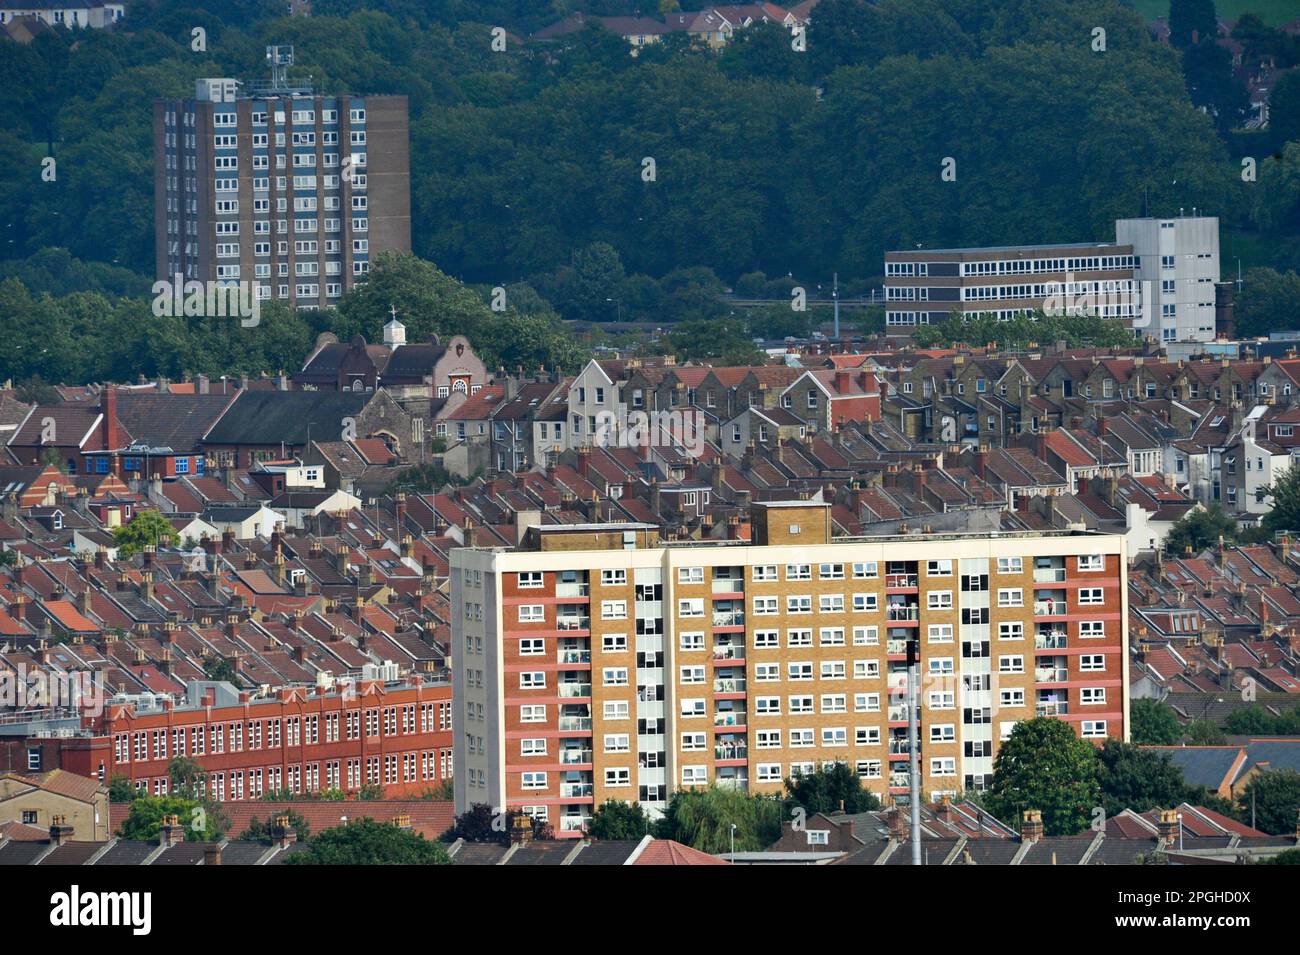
1167, 828
171, 833
108, 408
60, 832
1031, 826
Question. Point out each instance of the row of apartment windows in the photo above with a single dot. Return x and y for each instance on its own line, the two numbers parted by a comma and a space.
307, 730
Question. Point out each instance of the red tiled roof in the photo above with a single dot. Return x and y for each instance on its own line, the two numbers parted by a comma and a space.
667, 852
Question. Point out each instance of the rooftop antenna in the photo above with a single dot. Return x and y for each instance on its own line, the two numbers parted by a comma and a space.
280, 58
835, 294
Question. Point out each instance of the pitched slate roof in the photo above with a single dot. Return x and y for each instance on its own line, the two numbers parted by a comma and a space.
271, 417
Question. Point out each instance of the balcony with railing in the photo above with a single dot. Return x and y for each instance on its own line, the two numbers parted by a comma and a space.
573, 655
730, 749
575, 757
729, 685
898, 713
1049, 570
575, 724
1052, 670
729, 652
573, 690
901, 581
902, 612
728, 614
572, 617
1051, 708
577, 588
1051, 640
900, 780
574, 823
1049, 606
896, 647
729, 718
723, 586
575, 790
899, 745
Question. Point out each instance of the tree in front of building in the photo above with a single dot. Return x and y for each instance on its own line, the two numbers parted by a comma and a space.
367, 842
121, 790
259, 831
1140, 779
481, 823
1199, 528
199, 821
702, 819
1272, 798
1285, 514
146, 529
833, 789
1154, 723
1044, 766
615, 819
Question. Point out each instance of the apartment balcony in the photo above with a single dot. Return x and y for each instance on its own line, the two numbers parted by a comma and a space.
898, 713
896, 648
580, 589
728, 618
575, 757
1049, 575
740, 783
570, 622
900, 746
903, 612
729, 686
900, 780
897, 682
574, 823
901, 581
1052, 709
1049, 608
729, 718
725, 586
573, 656
575, 724
575, 790
723, 653
1051, 641
738, 751
1051, 674
570, 691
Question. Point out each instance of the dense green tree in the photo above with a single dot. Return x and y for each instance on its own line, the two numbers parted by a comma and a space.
702, 819
723, 341
367, 842
1191, 21
1285, 512
1288, 857
120, 790
1258, 721
1274, 799
1204, 733
1267, 301
200, 821
259, 831
830, 789
1284, 109
618, 820
1154, 723
1199, 528
1139, 779
1045, 766
1207, 68
147, 528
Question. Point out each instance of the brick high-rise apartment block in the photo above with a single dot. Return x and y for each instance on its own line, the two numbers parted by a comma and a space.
598, 662
286, 188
